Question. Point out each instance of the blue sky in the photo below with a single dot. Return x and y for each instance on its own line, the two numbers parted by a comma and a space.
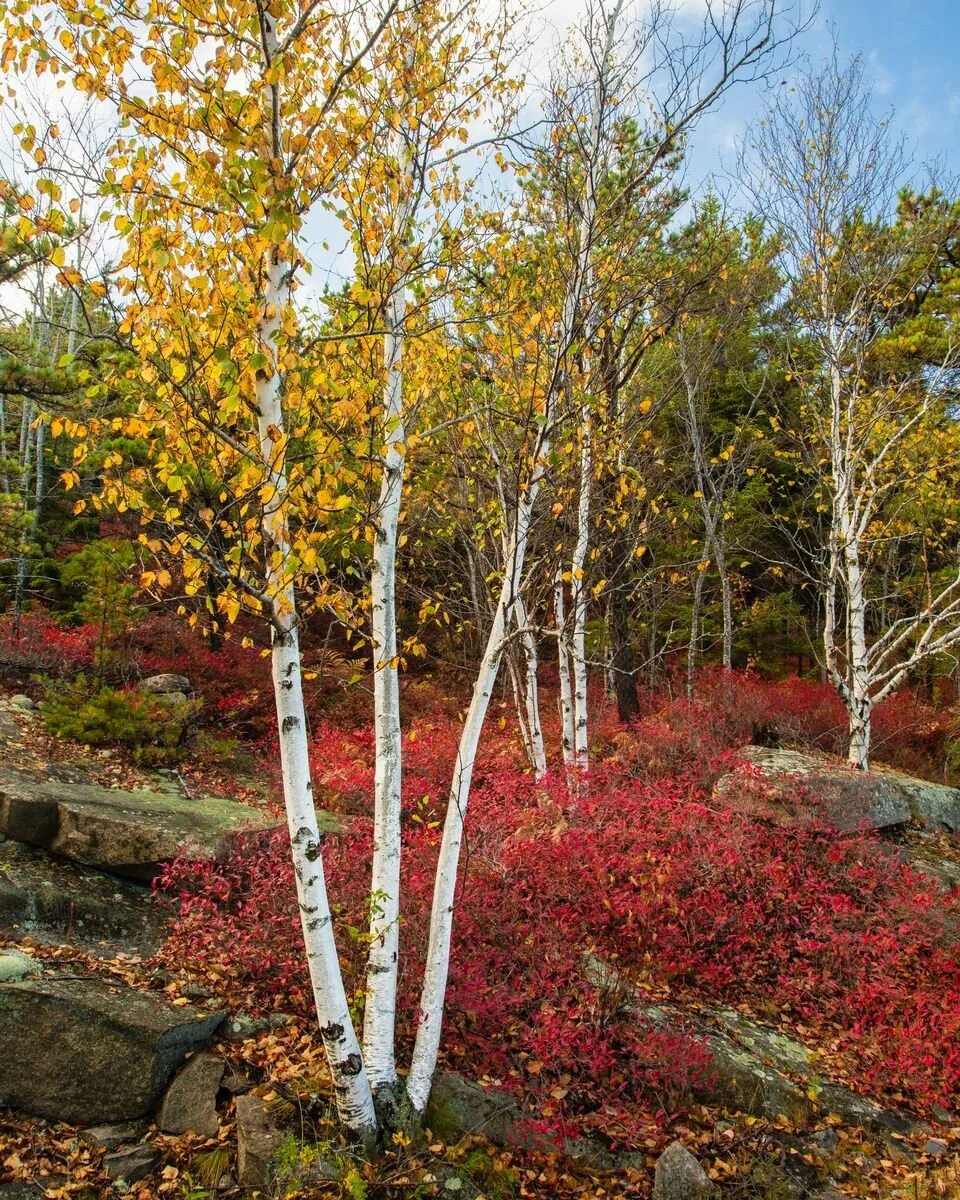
909, 49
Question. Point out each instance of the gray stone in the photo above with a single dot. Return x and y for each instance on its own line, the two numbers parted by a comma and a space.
258, 1140
678, 1176
936, 1148
125, 833
21, 1191
85, 1052
878, 798
743, 1082
846, 798
825, 1140
933, 805
174, 698
133, 1163
771, 1045
241, 1026
235, 1082
855, 1109
14, 965
459, 1106
741, 1077
41, 893
109, 1137
164, 684
760, 1071
941, 870
190, 1104
24, 703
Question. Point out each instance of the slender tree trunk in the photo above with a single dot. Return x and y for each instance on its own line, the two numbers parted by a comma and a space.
351, 1086
563, 660
383, 958
859, 703
693, 646
23, 556
578, 589
720, 558
427, 1045
354, 1098
617, 569
860, 732
534, 729
40, 480
622, 666
26, 419
652, 654
5, 478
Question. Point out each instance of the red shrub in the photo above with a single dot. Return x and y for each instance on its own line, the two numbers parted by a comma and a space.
46, 646
682, 896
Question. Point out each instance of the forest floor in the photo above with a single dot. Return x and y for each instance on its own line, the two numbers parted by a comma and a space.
778, 1138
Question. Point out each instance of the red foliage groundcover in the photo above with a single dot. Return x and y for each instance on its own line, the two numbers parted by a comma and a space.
642, 869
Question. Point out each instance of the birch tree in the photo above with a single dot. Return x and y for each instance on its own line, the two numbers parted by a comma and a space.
832, 176
735, 39
235, 141
442, 76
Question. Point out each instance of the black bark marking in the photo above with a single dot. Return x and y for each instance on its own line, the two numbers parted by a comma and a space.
289, 723
352, 1065
332, 1032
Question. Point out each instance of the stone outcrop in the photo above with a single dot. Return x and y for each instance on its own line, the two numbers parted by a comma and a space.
258, 1140
132, 1163
41, 893
190, 1105
932, 805
166, 684
86, 1052
878, 798
762, 1071
14, 966
790, 788
459, 1106
128, 833
679, 1176
112, 1137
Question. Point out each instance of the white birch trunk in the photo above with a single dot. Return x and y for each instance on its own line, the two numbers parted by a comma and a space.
23, 559
859, 705
383, 957
354, 1099
537, 753
579, 593
427, 1046
5, 479
567, 735
353, 1094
